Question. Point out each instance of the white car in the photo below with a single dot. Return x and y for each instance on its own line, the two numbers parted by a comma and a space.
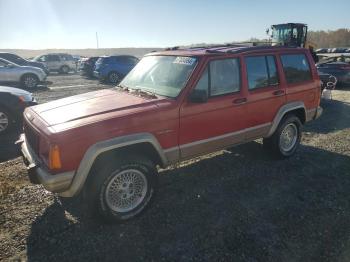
63, 63
28, 76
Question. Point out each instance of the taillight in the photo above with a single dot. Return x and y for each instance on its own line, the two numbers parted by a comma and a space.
54, 157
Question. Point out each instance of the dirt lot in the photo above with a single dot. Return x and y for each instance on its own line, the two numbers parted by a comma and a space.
236, 205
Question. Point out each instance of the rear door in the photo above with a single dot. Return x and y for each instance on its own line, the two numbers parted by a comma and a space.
218, 122
53, 62
265, 93
124, 64
302, 80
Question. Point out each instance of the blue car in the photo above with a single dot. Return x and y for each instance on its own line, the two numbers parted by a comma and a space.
112, 69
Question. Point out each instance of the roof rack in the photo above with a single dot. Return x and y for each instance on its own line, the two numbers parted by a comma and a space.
231, 48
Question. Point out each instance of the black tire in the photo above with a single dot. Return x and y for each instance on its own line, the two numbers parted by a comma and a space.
113, 77
29, 81
275, 145
6, 116
103, 180
64, 69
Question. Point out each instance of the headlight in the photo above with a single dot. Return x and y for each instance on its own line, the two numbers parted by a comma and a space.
25, 97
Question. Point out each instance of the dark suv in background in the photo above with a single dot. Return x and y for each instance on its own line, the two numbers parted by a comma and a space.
87, 66
22, 62
113, 68
338, 66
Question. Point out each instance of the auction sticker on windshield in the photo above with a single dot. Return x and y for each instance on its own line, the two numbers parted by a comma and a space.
184, 60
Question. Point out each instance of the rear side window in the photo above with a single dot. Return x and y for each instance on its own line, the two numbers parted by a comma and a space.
221, 77
67, 57
261, 71
296, 68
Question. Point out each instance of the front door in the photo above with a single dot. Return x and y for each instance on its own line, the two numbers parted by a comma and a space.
218, 122
8, 72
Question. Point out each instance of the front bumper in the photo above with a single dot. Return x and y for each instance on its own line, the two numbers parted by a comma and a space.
39, 175
96, 74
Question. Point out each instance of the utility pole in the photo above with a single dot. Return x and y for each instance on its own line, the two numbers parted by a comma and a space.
96, 40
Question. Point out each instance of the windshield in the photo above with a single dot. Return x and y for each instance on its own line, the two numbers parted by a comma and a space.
162, 75
281, 34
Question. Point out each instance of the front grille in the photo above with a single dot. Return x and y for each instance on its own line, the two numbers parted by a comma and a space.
31, 137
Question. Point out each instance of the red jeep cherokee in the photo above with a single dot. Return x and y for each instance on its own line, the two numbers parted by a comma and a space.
173, 105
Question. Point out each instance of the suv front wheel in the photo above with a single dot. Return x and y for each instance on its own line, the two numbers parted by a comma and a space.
286, 139
122, 188
64, 69
29, 81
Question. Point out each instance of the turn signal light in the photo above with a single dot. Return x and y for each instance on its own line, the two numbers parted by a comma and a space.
54, 157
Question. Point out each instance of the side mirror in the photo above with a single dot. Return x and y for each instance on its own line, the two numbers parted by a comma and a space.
198, 96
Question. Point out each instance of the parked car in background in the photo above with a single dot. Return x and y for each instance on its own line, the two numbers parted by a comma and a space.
27, 76
113, 68
174, 105
339, 50
22, 62
87, 66
321, 50
337, 66
328, 81
63, 63
13, 101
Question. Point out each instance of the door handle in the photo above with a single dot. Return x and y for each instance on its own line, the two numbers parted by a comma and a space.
239, 101
278, 92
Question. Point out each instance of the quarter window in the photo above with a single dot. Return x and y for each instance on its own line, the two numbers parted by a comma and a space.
221, 77
261, 71
296, 68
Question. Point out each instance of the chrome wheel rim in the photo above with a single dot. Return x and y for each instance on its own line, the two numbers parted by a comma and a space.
288, 137
113, 78
4, 121
30, 81
126, 190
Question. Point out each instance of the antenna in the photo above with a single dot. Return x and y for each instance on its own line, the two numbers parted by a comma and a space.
96, 40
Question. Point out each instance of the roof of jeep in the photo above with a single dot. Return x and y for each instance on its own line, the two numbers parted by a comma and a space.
221, 50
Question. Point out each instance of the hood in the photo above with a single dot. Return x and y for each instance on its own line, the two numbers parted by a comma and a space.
14, 91
92, 107
32, 69
35, 64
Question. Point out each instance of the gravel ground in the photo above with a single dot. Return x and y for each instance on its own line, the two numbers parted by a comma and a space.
234, 205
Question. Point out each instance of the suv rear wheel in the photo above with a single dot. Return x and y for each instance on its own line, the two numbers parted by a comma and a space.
29, 81
286, 139
122, 188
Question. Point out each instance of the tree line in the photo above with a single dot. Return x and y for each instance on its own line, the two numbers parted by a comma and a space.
336, 38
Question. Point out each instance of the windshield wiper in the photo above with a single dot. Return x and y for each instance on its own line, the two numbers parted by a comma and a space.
122, 87
142, 91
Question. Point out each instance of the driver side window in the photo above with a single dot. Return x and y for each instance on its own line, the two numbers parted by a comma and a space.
42, 59
221, 77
